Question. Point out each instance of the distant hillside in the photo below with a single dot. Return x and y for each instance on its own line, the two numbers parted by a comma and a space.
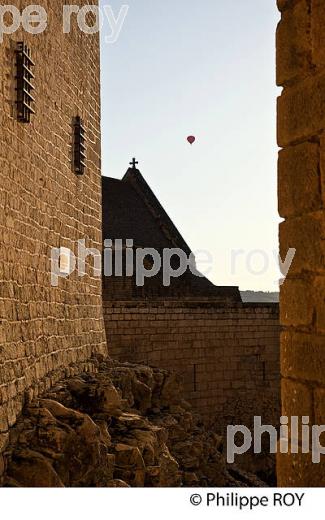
260, 296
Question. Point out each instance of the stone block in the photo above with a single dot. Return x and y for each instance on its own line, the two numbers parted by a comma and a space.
301, 111
319, 403
297, 303
298, 470
303, 356
317, 32
305, 235
286, 4
299, 180
293, 44
297, 399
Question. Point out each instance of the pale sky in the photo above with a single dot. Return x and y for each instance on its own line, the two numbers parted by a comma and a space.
183, 67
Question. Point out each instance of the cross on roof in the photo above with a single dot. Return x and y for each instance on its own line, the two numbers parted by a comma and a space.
134, 163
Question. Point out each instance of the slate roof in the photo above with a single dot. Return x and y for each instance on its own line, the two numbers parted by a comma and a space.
126, 215
132, 211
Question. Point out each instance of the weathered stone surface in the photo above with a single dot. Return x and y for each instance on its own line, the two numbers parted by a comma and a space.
286, 4
48, 333
298, 470
299, 180
30, 468
294, 43
89, 431
304, 234
301, 111
296, 291
317, 32
297, 399
302, 356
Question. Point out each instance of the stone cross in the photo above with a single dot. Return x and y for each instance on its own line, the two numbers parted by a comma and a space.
134, 163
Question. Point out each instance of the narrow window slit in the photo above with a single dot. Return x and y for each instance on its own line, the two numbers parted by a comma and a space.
25, 87
194, 378
79, 147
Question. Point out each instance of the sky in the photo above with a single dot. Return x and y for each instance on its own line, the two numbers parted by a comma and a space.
184, 67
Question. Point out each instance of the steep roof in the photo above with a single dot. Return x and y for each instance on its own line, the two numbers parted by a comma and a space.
132, 211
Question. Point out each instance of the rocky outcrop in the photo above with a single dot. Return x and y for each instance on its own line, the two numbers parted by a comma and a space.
126, 425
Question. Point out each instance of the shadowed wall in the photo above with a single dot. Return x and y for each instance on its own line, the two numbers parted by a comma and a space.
301, 124
227, 354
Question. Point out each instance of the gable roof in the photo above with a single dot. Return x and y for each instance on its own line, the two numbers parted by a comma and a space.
132, 211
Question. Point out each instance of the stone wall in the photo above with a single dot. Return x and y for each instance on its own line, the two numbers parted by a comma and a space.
228, 355
301, 124
47, 332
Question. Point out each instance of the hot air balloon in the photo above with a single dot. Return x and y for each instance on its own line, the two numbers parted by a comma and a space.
191, 139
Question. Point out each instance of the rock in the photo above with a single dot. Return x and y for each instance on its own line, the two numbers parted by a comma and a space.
105, 436
190, 479
142, 396
60, 411
109, 400
117, 483
147, 442
189, 453
169, 470
128, 456
31, 469
125, 426
131, 421
2, 465
77, 387
10, 482
97, 395
4, 439
171, 390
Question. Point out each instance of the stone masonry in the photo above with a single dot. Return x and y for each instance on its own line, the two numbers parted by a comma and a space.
47, 332
227, 355
301, 125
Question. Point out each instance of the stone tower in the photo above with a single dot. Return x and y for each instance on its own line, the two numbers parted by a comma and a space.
47, 332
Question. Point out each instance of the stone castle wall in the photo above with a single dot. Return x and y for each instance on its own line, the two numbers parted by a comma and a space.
301, 125
47, 332
228, 355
